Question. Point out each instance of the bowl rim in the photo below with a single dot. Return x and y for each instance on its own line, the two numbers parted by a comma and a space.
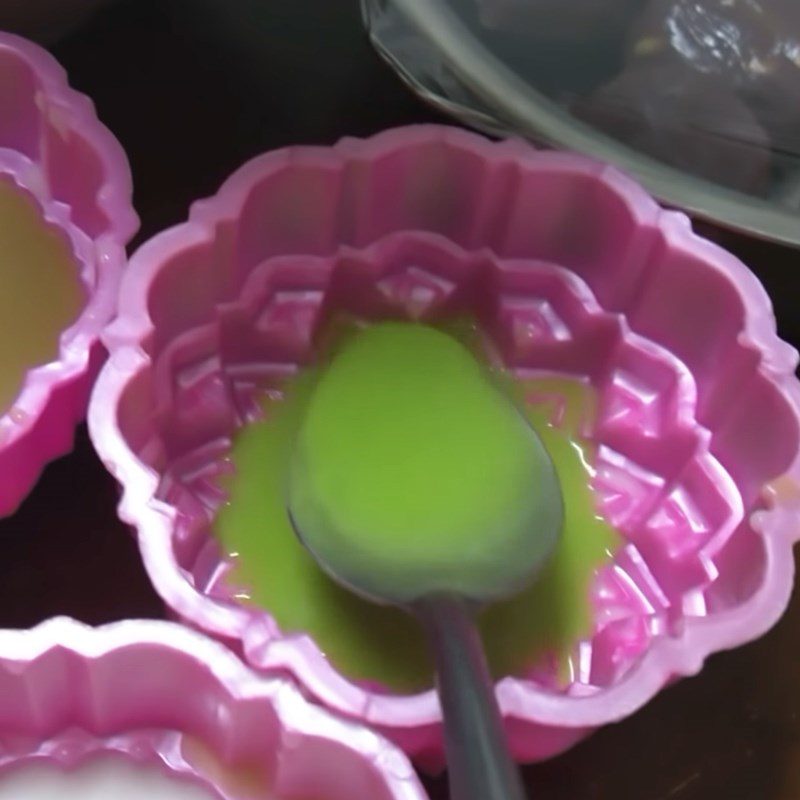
519, 699
514, 105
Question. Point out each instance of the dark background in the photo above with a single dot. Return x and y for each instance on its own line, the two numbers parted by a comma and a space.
192, 88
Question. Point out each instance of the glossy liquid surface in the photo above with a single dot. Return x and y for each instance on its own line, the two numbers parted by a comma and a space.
41, 290
383, 646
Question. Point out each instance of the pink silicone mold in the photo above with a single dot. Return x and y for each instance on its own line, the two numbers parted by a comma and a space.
152, 691
53, 148
568, 267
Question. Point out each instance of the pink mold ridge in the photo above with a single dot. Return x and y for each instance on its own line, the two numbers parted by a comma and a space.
568, 267
150, 690
55, 150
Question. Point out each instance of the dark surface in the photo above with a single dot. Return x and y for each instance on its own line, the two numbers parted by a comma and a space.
193, 90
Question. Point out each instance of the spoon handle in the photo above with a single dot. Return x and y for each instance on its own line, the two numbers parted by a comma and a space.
479, 764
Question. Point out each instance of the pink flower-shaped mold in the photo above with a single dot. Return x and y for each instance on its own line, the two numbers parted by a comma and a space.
54, 150
162, 695
568, 267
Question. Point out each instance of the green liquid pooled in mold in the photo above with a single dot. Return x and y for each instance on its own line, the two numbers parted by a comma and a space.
381, 645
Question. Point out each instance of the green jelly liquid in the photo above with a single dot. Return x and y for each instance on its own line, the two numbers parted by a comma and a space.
381, 645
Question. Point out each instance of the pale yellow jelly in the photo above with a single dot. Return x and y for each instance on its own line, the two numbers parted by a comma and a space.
249, 780
106, 777
41, 295
240, 781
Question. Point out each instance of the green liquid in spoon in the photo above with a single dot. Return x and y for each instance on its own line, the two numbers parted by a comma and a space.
383, 645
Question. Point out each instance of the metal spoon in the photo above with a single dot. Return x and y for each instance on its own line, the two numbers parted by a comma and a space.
445, 598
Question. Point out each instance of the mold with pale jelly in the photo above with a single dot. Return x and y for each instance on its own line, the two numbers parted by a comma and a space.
65, 218
146, 708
